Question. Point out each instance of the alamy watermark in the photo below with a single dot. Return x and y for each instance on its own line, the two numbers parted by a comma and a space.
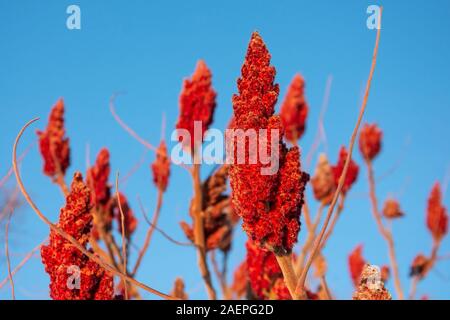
236, 146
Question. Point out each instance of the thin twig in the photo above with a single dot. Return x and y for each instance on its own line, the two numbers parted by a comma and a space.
300, 290
67, 236
309, 240
220, 276
134, 168
11, 170
8, 261
162, 232
326, 289
149, 234
124, 240
387, 235
339, 210
320, 134
27, 257
431, 261
131, 132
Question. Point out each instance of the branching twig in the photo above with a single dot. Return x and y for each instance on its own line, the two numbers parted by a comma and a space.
149, 234
131, 132
300, 290
162, 232
67, 236
320, 134
8, 261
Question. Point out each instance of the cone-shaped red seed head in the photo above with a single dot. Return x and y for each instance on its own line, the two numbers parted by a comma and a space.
352, 172
197, 103
53, 144
370, 141
64, 263
97, 178
356, 264
161, 168
269, 205
437, 217
294, 110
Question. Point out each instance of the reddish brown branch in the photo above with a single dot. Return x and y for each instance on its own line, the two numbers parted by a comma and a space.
386, 234
199, 232
300, 290
124, 240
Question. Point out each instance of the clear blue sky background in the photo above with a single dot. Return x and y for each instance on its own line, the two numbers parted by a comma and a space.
147, 47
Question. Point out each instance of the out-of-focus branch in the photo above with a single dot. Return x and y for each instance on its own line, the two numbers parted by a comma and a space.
162, 232
387, 235
8, 261
309, 240
124, 240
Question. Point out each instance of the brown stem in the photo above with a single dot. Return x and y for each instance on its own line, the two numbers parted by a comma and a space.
326, 289
309, 241
320, 134
27, 257
333, 222
387, 235
199, 233
149, 234
124, 240
162, 232
67, 236
132, 133
8, 261
290, 279
300, 290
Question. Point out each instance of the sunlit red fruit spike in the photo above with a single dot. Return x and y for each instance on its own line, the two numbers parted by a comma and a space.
294, 110
161, 168
53, 144
269, 205
352, 172
437, 217
197, 103
356, 264
62, 260
97, 178
370, 140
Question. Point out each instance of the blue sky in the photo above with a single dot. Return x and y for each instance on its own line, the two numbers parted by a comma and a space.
146, 49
